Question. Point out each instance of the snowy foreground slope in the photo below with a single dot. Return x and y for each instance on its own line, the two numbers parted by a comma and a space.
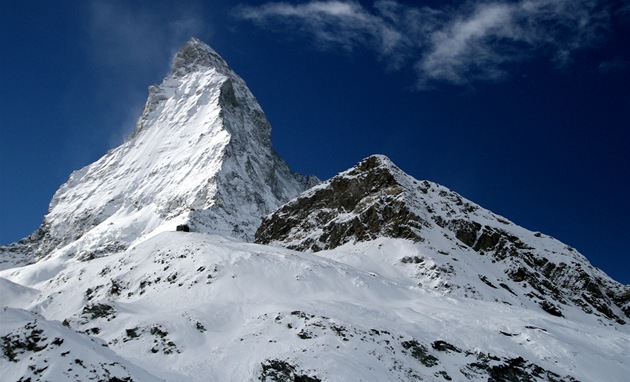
198, 307
370, 276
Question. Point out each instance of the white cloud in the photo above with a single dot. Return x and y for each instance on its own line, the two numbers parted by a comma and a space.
333, 24
474, 41
465, 48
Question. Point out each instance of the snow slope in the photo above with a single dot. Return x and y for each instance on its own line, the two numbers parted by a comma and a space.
197, 307
36, 349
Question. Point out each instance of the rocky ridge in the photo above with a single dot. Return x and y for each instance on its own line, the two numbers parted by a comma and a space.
456, 241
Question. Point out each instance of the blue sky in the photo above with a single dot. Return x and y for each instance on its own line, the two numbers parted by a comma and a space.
520, 106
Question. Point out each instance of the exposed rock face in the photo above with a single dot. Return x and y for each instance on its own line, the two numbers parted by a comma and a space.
572, 283
201, 155
363, 203
455, 237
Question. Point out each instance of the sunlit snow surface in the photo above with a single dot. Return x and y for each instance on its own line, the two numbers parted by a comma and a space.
195, 307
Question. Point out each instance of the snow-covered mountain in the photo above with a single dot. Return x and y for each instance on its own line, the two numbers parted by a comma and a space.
458, 247
201, 155
370, 276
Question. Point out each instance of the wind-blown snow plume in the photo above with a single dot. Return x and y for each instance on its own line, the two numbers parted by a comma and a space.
126, 41
472, 41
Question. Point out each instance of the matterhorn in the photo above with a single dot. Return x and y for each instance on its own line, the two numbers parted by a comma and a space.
200, 156
193, 253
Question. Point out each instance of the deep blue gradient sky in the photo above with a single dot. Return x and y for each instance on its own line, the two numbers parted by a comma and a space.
522, 107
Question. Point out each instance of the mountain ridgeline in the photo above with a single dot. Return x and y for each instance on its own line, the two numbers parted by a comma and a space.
376, 199
192, 253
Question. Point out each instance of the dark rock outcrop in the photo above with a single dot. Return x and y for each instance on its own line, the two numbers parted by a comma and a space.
361, 204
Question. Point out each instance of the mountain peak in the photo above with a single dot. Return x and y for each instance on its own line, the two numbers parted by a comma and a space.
365, 202
375, 161
201, 155
195, 54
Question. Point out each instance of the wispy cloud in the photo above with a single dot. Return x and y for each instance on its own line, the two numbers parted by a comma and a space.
616, 65
130, 45
135, 35
462, 44
334, 24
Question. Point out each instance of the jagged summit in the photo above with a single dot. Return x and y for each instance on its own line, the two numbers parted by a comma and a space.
196, 54
201, 155
362, 203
